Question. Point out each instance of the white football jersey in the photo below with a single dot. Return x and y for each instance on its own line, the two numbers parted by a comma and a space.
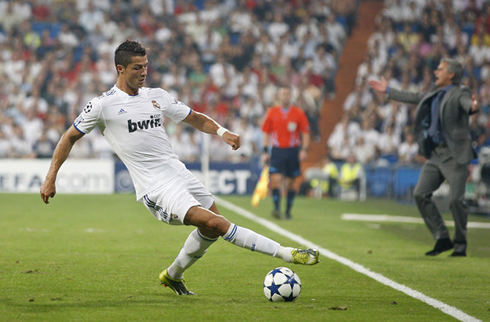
132, 124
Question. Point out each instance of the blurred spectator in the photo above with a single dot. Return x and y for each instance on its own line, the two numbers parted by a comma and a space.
408, 150
324, 67
322, 180
335, 30
32, 127
265, 48
479, 52
342, 150
30, 38
351, 173
388, 142
82, 150
43, 147
21, 148
5, 146
35, 102
9, 17
477, 132
364, 151
23, 9
277, 27
90, 17
67, 37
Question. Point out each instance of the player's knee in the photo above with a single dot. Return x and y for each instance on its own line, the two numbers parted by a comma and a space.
207, 220
218, 224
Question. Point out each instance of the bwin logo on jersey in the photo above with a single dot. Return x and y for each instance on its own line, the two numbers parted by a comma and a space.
153, 122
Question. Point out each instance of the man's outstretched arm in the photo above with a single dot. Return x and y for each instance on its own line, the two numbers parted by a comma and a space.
63, 148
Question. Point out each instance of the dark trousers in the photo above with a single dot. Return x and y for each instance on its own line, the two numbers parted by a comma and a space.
442, 166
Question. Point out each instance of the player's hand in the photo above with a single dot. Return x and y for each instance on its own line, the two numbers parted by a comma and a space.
379, 86
48, 190
232, 139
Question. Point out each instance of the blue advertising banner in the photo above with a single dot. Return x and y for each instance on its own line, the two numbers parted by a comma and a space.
224, 178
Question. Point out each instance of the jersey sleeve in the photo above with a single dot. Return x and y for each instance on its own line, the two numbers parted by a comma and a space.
175, 110
267, 126
89, 117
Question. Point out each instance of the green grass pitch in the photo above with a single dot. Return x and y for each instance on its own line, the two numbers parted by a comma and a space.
97, 258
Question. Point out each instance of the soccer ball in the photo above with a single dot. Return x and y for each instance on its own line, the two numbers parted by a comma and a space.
282, 285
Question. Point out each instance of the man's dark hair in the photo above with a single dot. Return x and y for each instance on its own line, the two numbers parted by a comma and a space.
126, 51
454, 66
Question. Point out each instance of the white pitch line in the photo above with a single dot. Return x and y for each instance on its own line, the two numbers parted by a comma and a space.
449, 310
404, 219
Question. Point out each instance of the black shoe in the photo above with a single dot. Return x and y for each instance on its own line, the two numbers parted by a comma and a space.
276, 214
441, 246
288, 216
458, 254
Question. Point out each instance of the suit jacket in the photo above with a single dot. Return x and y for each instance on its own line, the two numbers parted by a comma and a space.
454, 116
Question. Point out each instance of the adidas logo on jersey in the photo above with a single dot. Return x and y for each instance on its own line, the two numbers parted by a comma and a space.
153, 122
121, 111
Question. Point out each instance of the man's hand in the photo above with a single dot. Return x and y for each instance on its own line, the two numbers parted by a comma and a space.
265, 158
302, 155
379, 86
474, 104
232, 139
48, 190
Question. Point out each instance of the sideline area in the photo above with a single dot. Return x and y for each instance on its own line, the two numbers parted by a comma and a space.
404, 219
449, 310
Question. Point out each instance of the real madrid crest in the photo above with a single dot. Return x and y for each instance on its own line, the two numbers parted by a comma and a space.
156, 105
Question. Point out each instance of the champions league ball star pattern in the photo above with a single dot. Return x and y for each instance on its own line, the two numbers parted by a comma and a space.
282, 285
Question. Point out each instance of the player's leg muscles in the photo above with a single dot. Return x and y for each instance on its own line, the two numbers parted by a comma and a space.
212, 225
209, 223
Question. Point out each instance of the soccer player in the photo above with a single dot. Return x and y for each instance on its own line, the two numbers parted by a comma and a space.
286, 128
130, 117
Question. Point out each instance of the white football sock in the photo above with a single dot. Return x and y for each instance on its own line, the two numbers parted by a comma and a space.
249, 239
285, 254
194, 248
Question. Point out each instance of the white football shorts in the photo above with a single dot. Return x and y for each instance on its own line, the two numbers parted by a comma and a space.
170, 202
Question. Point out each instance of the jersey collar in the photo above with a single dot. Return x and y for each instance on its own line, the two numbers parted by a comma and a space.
124, 93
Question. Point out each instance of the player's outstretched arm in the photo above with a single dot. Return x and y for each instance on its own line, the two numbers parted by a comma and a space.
206, 124
63, 148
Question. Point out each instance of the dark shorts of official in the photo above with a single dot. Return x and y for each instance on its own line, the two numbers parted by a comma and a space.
285, 161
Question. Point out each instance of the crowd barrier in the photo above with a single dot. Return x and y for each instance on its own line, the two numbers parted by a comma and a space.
106, 176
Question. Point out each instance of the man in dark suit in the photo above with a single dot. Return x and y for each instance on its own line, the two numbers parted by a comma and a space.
442, 131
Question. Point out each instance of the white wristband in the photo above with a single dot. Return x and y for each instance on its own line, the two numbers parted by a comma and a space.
221, 131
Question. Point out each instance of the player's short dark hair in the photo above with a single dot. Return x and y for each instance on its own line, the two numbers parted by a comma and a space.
128, 50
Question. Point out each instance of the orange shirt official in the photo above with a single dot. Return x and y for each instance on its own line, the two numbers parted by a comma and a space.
285, 126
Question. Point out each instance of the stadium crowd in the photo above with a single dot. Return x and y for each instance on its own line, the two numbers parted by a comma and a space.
227, 58
411, 38
222, 57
